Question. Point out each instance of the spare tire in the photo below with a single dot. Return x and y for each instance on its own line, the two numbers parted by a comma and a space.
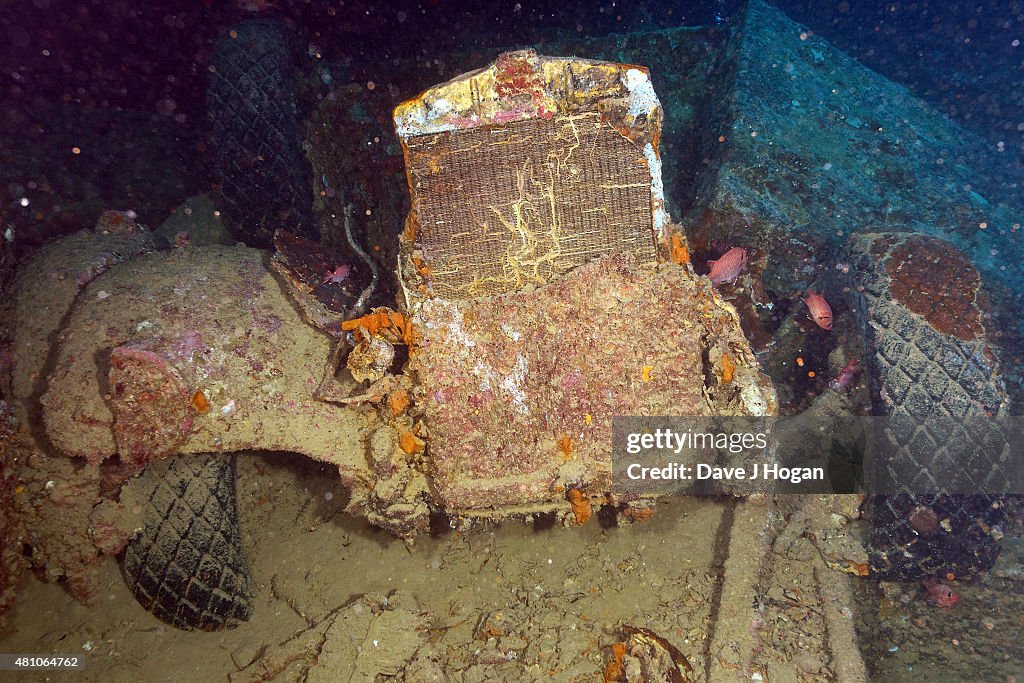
935, 377
263, 177
188, 566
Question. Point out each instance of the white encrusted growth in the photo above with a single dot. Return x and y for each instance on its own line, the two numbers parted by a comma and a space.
514, 384
658, 213
642, 99
753, 399
418, 121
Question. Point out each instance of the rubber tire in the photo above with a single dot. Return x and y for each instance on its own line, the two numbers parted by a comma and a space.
917, 369
188, 566
265, 181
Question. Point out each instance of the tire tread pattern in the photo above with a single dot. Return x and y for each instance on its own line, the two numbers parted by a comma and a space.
263, 175
188, 566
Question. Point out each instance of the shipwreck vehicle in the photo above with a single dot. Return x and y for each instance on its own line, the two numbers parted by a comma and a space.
540, 289
554, 295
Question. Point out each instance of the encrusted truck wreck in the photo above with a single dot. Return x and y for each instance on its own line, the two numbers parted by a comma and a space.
544, 290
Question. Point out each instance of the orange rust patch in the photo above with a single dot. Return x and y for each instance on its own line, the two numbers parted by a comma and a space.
409, 443
613, 669
580, 505
200, 403
939, 283
639, 514
422, 269
728, 368
398, 401
678, 252
565, 443
858, 568
391, 324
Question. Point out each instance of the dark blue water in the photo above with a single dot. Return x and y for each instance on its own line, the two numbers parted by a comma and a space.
963, 57
966, 58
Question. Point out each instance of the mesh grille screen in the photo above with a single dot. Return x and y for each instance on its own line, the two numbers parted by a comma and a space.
500, 207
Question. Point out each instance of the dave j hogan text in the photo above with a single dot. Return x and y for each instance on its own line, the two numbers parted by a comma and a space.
705, 472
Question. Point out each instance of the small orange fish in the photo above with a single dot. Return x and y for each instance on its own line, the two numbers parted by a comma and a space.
339, 274
821, 312
845, 377
940, 594
728, 267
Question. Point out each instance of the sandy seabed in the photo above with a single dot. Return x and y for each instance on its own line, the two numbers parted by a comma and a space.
504, 601
337, 599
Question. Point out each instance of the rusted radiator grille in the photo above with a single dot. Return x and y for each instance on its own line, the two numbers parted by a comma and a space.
500, 207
